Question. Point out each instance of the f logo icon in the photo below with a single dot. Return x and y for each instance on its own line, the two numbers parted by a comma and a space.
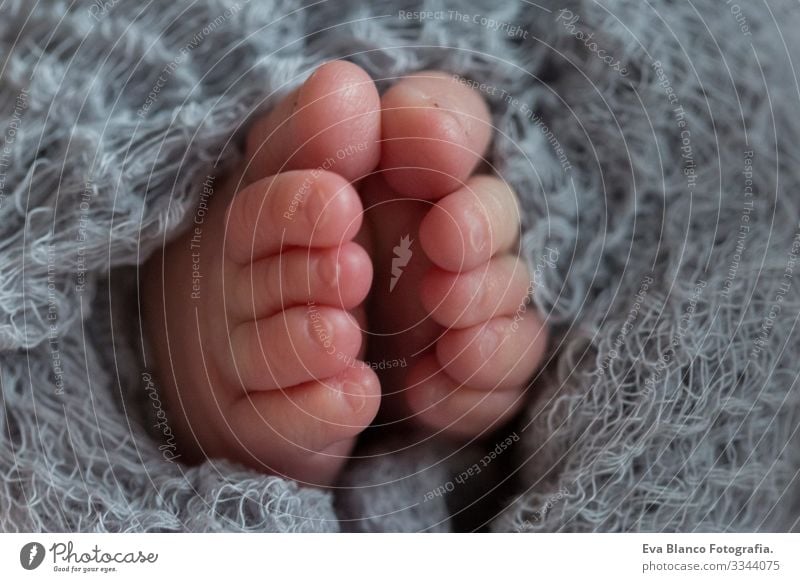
31, 555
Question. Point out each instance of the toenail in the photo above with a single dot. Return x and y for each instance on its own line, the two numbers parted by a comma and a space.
321, 330
476, 230
328, 271
355, 395
489, 341
316, 206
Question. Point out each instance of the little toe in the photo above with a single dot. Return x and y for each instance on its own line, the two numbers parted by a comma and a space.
299, 208
336, 277
435, 131
499, 354
331, 122
460, 300
438, 402
471, 225
306, 431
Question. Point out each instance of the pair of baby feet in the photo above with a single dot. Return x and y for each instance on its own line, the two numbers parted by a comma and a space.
352, 263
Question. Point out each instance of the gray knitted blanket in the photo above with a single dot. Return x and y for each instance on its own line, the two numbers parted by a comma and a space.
654, 145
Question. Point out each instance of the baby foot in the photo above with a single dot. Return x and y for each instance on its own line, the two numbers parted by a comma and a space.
256, 354
449, 299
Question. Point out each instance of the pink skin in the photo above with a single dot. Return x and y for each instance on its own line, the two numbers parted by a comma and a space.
434, 130
459, 314
250, 370
264, 367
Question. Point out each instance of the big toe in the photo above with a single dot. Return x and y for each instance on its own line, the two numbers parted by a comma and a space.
435, 130
331, 122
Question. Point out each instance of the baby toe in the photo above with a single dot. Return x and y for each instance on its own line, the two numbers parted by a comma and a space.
459, 300
332, 122
294, 346
438, 402
434, 132
471, 225
336, 277
300, 208
501, 353
305, 432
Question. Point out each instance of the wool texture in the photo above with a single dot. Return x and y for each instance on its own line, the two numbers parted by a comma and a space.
653, 146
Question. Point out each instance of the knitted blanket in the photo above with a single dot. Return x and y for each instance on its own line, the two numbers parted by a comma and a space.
653, 144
